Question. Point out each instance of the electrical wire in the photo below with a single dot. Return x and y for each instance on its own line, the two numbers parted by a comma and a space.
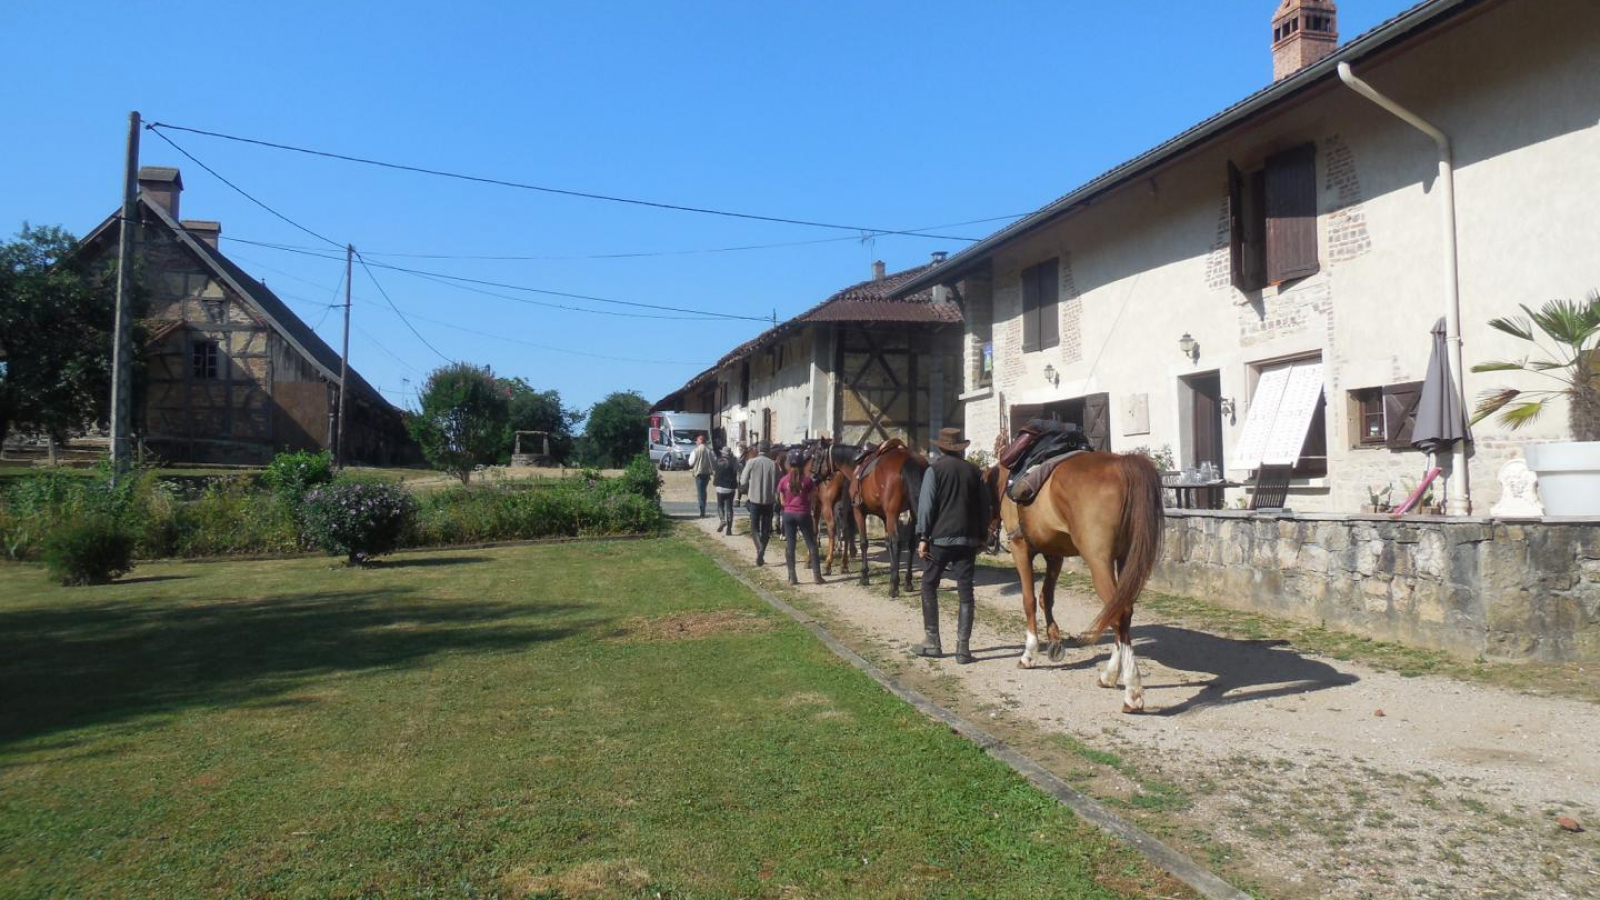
696, 313
642, 254
584, 353
427, 343
502, 182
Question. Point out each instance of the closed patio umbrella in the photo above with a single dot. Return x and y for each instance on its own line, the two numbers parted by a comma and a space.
1440, 419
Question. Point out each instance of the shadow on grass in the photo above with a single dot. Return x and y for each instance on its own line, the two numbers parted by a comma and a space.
425, 562
104, 663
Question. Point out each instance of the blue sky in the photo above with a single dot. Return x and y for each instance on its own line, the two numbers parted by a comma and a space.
873, 114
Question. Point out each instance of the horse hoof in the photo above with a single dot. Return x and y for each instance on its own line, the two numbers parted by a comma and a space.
1024, 664
1058, 652
1131, 710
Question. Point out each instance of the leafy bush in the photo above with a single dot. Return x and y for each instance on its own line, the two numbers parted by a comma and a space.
570, 507
95, 549
641, 478
359, 519
230, 519
292, 474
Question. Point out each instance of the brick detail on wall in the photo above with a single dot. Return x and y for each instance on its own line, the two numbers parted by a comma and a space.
1219, 268
1008, 335
1071, 313
1284, 313
1348, 237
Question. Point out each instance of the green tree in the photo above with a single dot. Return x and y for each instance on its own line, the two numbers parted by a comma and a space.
462, 422
535, 410
55, 334
616, 430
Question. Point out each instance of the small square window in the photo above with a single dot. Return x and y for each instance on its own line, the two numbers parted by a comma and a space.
205, 360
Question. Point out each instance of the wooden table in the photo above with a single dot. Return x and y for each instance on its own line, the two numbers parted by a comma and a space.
1185, 494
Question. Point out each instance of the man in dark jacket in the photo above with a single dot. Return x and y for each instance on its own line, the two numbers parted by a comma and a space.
952, 520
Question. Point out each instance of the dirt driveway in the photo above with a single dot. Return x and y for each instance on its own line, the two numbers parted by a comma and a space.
1292, 774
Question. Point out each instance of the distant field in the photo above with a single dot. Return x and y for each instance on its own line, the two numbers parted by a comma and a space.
614, 719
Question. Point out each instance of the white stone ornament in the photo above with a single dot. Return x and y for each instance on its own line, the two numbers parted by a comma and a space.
1519, 492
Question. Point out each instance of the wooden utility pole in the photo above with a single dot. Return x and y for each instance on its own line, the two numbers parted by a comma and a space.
122, 327
344, 357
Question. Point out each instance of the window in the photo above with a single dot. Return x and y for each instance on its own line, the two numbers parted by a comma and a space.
1287, 420
1273, 219
205, 360
1386, 416
1041, 311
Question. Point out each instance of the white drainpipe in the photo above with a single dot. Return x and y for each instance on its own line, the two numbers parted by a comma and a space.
1458, 500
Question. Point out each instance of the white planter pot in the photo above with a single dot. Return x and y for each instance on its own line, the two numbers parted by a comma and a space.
1569, 477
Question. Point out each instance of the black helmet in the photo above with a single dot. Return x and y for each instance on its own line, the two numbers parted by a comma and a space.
797, 457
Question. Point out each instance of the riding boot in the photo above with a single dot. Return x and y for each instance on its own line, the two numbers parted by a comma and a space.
816, 569
792, 579
930, 646
964, 635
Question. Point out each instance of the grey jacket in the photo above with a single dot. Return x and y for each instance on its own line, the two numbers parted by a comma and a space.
759, 481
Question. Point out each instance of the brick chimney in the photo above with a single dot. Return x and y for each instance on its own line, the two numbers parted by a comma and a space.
203, 230
1303, 31
161, 185
878, 271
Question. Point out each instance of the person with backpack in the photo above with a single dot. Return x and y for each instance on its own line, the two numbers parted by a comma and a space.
796, 491
725, 480
952, 522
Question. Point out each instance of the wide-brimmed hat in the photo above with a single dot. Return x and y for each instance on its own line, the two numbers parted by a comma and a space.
950, 441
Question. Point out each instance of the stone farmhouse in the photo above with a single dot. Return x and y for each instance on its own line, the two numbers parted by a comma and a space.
866, 364
1284, 261
230, 374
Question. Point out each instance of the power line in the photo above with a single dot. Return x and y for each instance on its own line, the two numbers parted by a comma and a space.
698, 313
512, 340
376, 284
242, 192
502, 182
640, 254
384, 347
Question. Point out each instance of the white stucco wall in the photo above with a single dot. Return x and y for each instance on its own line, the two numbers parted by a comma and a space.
1517, 87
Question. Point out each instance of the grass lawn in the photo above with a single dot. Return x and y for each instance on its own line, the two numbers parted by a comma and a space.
586, 720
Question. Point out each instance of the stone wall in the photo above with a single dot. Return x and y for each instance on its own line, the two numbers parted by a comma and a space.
1500, 589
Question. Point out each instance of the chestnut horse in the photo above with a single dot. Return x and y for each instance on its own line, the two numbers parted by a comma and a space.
891, 488
1107, 509
832, 468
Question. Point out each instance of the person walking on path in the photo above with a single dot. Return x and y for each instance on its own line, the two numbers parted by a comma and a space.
952, 519
725, 479
796, 491
759, 484
702, 465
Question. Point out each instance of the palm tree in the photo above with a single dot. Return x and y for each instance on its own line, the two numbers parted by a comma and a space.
1572, 330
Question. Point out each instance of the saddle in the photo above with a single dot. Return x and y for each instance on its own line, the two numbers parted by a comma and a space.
1042, 445
866, 461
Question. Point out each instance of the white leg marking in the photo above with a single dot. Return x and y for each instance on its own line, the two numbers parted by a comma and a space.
1113, 669
1029, 652
1133, 693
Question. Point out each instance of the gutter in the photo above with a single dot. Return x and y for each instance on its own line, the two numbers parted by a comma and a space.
1458, 494
959, 264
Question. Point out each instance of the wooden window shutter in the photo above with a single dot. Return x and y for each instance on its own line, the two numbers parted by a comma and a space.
1097, 420
1236, 225
1030, 310
1291, 188
1049, 278
1400, 413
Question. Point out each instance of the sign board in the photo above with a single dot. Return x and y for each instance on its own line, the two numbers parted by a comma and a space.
1280, 412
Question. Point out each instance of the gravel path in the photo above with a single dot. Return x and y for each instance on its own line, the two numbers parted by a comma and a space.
1298, 775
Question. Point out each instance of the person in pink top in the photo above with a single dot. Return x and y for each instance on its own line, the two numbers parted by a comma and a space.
795, 490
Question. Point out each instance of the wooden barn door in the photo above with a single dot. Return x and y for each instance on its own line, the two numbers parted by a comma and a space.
876, 393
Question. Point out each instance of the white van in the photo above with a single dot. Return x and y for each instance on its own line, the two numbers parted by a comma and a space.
672, 437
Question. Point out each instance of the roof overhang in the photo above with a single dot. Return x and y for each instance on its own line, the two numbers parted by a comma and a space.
1423, 16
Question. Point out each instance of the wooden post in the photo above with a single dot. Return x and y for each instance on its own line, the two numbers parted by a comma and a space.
344, 359
122, 327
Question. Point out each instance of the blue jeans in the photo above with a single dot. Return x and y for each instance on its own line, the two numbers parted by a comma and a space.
700, 483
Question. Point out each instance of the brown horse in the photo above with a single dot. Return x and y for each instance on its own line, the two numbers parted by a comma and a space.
891, 488
1106, 508
832, 468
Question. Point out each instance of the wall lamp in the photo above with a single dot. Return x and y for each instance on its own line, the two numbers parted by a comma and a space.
1051, 376
1189, 346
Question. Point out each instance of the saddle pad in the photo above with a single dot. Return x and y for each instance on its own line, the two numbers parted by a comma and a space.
1024, 489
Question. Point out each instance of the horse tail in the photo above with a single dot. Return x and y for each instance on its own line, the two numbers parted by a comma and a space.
911, 474
1139, 532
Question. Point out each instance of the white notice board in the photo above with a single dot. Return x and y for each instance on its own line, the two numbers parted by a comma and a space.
1294, 415
1280, 412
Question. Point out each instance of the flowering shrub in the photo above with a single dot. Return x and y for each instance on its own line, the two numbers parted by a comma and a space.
359, 519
